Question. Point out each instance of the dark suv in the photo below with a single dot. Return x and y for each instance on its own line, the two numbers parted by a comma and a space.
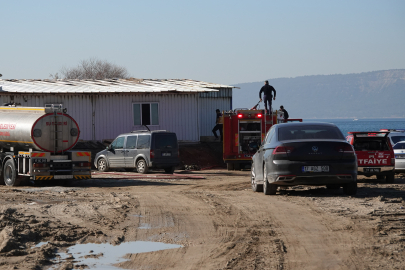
142, 150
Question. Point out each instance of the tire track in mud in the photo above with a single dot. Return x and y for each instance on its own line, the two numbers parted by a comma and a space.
241, 243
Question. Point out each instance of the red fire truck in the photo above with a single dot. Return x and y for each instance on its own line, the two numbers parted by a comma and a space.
243, 132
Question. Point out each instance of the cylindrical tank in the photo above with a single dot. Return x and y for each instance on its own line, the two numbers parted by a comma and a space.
37, 128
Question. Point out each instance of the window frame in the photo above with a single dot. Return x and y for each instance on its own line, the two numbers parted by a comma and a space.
150, 110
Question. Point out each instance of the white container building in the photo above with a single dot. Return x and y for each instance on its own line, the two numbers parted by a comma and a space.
106, 108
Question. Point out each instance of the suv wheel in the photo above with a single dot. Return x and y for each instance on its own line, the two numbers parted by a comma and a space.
380, 177
390, 178
141, 166
102, 165
170, 170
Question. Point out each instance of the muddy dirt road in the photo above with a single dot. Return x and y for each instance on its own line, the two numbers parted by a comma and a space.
215, 217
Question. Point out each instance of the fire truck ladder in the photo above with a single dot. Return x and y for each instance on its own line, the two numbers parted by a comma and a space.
267, 122
58, 132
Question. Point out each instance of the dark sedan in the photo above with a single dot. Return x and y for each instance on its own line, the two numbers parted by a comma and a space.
304, 154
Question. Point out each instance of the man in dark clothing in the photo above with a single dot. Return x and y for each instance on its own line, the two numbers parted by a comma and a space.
285, 113
267, 95
218, 125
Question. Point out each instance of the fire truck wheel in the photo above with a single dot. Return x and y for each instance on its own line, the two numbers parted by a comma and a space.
268, 189
236, 166
390, 178
255, 186
102, 165
229, 166
141, 166
170, 170
1, 178
9, 174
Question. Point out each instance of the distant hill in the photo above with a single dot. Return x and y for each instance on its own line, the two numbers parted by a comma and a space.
376, 94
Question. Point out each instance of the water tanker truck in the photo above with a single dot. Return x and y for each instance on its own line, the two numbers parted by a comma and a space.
36, 143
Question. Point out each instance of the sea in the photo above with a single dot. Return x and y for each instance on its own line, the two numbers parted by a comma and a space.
346, 125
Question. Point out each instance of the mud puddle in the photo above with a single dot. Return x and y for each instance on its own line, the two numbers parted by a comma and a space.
104, 256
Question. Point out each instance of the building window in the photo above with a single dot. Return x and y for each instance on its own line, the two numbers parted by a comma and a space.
146, 114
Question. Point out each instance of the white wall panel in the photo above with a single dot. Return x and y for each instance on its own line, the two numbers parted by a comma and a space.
188, 115
221, 100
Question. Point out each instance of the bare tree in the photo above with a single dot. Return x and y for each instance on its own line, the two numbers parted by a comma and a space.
94, 69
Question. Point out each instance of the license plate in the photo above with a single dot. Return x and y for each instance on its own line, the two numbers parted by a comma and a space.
166, 154
63, 177
324, 168
371, 170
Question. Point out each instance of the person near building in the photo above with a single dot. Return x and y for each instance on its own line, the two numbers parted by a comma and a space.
285, 113
218, 125
267, 91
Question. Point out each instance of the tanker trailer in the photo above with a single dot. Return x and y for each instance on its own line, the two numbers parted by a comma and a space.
36, 143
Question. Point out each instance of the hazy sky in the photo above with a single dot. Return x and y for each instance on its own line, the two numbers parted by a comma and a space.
216, 41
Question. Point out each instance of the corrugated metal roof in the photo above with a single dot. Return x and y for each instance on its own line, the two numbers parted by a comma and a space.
108, 86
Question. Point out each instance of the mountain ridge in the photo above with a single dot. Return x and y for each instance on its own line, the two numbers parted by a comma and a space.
375, 94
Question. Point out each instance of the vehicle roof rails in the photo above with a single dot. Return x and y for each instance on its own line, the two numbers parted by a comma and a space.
143, 130
397, 130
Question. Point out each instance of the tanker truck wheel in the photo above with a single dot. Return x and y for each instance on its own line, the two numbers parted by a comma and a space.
2, 178
102, 165
9, 174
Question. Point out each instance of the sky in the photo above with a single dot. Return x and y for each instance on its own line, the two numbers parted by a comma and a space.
228, 42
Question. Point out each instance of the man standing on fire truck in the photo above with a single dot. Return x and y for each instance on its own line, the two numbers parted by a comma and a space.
267, 95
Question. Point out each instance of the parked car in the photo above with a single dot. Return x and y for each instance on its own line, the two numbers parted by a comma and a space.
396, 135
399, 152
142, 150
304, 154
375, 155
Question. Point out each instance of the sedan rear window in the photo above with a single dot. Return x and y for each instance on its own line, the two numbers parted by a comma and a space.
309, 132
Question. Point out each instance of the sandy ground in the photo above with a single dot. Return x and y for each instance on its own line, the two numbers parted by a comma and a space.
213, 214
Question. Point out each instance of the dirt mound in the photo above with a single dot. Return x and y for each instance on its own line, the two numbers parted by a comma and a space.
202, 155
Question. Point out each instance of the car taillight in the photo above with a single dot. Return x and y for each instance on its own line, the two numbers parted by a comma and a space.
344, 148
152, 154
392, 161
283, 150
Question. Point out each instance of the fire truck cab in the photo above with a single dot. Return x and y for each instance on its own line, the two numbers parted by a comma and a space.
243, 132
